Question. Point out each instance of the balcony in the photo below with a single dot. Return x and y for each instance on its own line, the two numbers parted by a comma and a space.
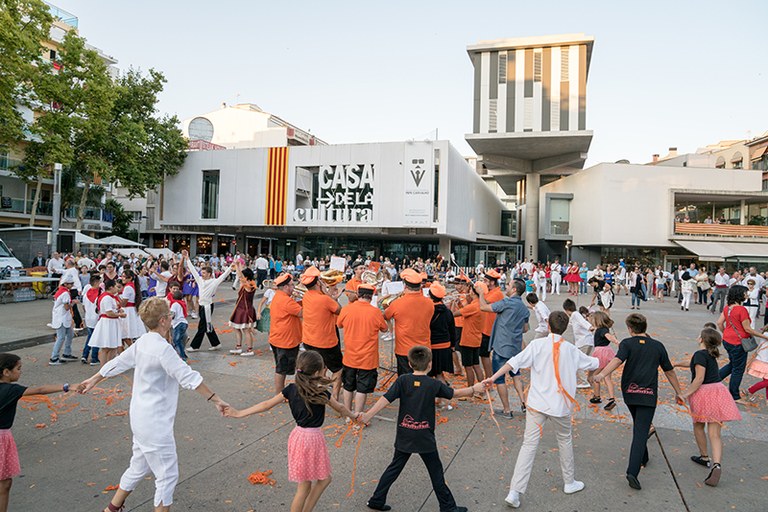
20, 206
96, 219
719, 231
7, 163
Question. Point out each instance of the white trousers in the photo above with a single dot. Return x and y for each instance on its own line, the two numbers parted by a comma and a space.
556, 280
534, 422
162, 462
686, 303
541, 290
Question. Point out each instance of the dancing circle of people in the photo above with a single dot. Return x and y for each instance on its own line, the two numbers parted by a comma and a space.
138, 321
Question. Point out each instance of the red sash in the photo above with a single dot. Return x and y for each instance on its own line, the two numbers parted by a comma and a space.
180, 303
61, 290
98, 304
92, 295
132, 286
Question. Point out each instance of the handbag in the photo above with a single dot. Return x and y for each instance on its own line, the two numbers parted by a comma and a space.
749, 343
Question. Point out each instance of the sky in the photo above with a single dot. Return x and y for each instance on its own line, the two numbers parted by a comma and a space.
663, 74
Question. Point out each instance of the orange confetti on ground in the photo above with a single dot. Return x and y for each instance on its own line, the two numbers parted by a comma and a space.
111, 487
91, 484
764, 477
31, 403
233, 364
261, 478
359, 434
493, 417
441, 419
41, 425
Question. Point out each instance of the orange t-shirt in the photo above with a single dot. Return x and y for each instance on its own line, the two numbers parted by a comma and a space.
472, 332
459, 320
492, 296
353, 283
319, 329
361, 323
412, 313
284, 324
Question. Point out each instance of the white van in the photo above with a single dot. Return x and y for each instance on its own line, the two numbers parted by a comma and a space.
7, 259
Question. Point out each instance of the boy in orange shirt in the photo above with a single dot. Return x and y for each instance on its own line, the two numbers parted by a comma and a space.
412, 313
284, 330
361, 323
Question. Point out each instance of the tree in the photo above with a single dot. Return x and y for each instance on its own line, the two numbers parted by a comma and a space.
24, 24
121, 220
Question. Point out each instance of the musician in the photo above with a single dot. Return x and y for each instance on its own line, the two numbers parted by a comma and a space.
442, 334
358, 267
284, 330
412, 313
463, 284
361, 323
491, 279
320, 307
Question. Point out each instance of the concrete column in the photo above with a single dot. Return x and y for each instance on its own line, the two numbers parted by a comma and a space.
743, 213
531, 234
445, 248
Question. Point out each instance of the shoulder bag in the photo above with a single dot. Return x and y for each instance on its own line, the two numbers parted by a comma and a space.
749, 343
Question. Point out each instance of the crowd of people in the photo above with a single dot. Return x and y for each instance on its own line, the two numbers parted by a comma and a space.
445, 321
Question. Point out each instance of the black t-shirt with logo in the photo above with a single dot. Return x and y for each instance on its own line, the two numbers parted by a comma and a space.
711, 370
306, 418
642, 356
416, 417
10, 393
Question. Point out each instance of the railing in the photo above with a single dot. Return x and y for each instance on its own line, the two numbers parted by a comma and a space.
7, 163
17, 205
720, 230
65, 17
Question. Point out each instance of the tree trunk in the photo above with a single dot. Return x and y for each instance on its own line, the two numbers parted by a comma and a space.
81, 206
35, 200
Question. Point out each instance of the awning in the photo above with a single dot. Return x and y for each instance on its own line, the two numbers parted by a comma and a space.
124, 251
85, 239
163, 251
758, 154
117, 241
719, 251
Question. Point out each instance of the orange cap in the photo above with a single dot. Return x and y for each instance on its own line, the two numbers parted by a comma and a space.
282, 279
492, 273
437, 290
366, 286
481, 287
309, 275
464, 278
411, 276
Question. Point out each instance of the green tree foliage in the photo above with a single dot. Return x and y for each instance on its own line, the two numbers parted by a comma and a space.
121, 220
23, 25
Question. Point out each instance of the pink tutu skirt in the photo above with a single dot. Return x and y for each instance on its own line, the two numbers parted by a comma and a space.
9, 456
713, 403
308, 458
604, 355
758, 369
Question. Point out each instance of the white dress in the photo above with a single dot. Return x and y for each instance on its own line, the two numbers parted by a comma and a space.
132, 325
159, 371
108, 332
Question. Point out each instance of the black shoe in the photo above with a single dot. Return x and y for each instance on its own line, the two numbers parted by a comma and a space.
69, 357
702, 461
633, 482
460, 509
83, 360
714, 475
378, 507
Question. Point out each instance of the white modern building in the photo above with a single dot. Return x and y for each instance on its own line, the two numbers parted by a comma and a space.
392, 199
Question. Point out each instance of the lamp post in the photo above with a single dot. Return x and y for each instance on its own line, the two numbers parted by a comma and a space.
568, 252
56, 207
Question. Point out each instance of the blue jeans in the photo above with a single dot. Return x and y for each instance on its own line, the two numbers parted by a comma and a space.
180, 339
635, 299
497, 362
645, 292
87, 348
737, 362
64, 336
583, 286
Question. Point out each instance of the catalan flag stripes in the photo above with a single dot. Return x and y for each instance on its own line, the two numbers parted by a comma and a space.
277, 186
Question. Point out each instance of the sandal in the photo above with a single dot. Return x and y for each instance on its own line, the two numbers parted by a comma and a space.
610, 405
595, 400
651, 432
714, 476
702, 460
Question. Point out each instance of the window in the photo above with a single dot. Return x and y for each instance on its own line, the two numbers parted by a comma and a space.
210, 202
565, 63
135, 216
559, 216
436, 190
537, 56
492, 115
502, 67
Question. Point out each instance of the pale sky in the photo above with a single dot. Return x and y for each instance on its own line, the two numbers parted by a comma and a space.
685, 74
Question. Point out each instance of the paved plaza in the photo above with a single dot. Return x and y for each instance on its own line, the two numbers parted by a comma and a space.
75, 447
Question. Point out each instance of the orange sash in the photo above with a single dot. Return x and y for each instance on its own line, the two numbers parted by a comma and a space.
556, 361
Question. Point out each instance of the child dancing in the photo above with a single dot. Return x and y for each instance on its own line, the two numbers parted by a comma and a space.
308, 461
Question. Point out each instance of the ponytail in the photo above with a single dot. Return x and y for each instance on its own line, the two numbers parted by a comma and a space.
711, 340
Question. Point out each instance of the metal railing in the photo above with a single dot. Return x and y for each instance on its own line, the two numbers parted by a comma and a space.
720, 230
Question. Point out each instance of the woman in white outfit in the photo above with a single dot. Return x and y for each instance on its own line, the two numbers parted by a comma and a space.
130, 299
687, 287
752, 303
108, 333
540, 281
159, 371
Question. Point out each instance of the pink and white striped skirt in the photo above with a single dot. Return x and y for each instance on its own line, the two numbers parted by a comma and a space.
713, 403
308, 458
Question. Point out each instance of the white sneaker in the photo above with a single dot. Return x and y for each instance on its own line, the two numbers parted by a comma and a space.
247, 354
583, 385
236, 351
513, 499
192, 349
194, 315
573, 487
217, 347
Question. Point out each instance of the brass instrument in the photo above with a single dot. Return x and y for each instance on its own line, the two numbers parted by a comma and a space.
389, 299
372, 278
332, 277
298, 292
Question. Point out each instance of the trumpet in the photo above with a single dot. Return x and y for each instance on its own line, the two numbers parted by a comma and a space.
332, 277
298, 292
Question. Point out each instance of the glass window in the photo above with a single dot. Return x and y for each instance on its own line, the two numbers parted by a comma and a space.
210, 195
204, 244
559, 216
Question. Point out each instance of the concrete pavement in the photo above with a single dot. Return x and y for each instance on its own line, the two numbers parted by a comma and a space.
67, 463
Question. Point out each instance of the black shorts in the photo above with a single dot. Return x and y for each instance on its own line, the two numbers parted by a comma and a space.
455, 345
442, 361
485, 346
470, 356
331, 356
403, 366
285, 360
362, 381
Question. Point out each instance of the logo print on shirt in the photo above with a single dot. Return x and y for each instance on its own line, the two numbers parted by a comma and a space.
634, 388
410, 423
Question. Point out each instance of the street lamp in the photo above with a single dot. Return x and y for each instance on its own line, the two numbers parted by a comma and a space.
568, 251
56, 207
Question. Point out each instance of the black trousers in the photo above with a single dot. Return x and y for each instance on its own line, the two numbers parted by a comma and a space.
642, 417
201, 331
75, 311
261, 275
435, 468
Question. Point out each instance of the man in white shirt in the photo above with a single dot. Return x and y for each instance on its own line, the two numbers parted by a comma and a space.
262, 268
207, 285
553, 363
162, 279
72, 275
555, 271
55, 265
61, 320
752, 274
722, 281
582, 334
